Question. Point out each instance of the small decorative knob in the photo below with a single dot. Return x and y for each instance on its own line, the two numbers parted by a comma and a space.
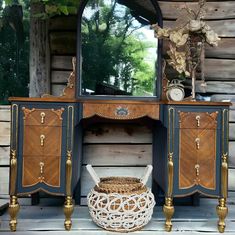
42, 139
41, 164
197, 141
197, 167
198, 118
43, 115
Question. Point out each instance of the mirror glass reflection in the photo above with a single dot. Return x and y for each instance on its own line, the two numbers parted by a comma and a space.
119, 51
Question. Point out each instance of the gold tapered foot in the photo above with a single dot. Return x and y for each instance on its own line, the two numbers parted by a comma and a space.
168, 210
68, 211
13, 210
222, 211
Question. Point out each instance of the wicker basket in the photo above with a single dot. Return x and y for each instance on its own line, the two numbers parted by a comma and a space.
121, 204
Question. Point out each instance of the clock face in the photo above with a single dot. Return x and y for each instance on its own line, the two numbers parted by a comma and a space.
176, 94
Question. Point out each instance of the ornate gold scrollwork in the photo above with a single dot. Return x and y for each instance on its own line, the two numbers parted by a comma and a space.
13, 165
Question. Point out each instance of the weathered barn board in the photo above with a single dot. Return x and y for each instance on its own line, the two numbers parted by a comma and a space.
232, 154
232, 131
225, 49
63, 43
216, 87
231, 181
116, 133
122, 155
87, 183
4, 133
61, 63
60, 76
5, 114
4, 181
4, 156
215, 10
216, 69
224, 28
57, 89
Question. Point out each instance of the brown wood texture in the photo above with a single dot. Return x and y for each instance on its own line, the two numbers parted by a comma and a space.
215, 9
207, 158
63, 43
60, 76
121, 111
42, 99
51, 144
204, 156
202, 120
187, 158
34, 174
43, 117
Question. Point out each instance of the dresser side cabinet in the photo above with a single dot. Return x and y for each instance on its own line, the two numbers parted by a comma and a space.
43, 154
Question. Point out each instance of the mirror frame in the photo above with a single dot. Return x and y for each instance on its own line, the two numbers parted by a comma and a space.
158, 85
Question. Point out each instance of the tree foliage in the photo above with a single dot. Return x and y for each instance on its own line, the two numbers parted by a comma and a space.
14, 52
113, 52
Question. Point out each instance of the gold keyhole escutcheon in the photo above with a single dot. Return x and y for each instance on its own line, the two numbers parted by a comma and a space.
43, 115
197, 141
197, 168
42, 140
198, 118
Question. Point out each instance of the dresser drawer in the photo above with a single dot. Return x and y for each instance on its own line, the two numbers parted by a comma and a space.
42, 141
37, 170
198, 120
42, 117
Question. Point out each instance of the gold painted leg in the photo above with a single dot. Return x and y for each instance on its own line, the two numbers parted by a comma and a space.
222, 211
168, 210
68, 211
14, 208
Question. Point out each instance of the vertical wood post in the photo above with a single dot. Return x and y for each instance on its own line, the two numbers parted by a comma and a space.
39, 53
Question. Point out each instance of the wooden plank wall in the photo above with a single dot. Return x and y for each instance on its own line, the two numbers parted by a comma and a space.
4, 150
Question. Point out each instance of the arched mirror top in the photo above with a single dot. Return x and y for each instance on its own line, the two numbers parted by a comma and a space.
117, 54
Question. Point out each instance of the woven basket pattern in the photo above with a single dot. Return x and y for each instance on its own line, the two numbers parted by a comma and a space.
121, 204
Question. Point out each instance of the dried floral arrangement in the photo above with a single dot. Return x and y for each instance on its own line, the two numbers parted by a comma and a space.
187, 40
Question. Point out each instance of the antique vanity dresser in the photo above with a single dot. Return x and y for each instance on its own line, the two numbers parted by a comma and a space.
190, 138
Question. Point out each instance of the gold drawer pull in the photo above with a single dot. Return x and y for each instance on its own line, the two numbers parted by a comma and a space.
42, 139
197, 141
198, 118
41, 177
43, 115
41, 168
197, 167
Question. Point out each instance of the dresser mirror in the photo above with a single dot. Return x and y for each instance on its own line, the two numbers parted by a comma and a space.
118, 54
